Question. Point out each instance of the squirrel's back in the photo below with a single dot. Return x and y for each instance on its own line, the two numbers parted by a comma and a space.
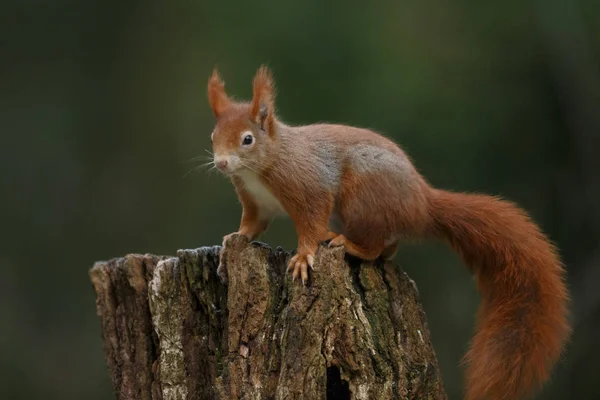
338, 149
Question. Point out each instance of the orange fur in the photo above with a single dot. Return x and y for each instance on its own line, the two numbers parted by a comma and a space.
263, 90
359, 189
217, 98
522, 323
251, 225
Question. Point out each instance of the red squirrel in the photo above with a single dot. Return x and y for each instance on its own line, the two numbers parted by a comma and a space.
358, 189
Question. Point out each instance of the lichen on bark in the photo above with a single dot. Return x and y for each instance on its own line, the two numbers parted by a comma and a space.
357, 330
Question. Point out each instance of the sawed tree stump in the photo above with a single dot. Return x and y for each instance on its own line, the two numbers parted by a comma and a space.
173, 330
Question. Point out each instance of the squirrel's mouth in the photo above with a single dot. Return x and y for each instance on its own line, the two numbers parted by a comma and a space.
230, 170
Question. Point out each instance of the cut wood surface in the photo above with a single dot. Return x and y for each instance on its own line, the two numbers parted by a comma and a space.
173, 330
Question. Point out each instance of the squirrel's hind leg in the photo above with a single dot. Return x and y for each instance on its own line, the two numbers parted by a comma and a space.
365, 253
330, 235
390, 251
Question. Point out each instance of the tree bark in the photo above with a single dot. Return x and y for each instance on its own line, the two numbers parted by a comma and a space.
173, 330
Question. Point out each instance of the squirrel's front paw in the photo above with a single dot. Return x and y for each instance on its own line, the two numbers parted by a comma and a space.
299, 265
227, 237
221, 271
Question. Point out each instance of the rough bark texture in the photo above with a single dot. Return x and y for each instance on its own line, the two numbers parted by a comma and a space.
173, 330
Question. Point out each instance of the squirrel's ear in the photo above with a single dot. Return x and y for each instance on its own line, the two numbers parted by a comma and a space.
217, 97
262, 107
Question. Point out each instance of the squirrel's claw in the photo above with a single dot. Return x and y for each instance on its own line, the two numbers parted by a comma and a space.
310, 259
299, 266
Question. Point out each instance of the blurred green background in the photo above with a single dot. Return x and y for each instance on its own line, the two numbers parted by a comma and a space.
103, 104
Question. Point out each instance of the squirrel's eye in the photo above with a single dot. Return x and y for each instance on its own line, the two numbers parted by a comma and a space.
247, 140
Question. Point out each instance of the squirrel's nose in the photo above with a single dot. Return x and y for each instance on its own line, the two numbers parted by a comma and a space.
221, 164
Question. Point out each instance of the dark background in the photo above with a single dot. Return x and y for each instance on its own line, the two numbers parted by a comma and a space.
103, 104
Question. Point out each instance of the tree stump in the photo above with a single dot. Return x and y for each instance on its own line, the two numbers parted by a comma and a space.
173, 330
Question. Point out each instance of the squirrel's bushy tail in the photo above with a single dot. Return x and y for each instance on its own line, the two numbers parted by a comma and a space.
522, 323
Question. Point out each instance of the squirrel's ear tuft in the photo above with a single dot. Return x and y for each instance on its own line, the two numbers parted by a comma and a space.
262, 107
217, 97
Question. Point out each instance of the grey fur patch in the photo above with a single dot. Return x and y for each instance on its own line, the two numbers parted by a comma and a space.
366, 158
328, 164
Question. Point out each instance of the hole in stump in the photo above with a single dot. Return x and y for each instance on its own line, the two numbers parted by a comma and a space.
337, 388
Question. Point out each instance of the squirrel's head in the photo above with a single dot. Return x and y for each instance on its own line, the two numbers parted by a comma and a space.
244, 132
